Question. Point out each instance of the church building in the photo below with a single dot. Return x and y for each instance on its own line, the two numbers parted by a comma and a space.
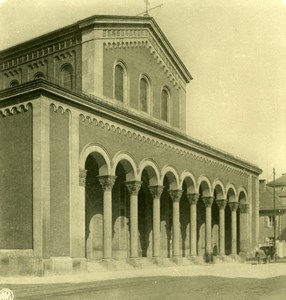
96, 167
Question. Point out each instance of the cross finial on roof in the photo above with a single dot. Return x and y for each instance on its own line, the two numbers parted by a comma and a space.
147, 3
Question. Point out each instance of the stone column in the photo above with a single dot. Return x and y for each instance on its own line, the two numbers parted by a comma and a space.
176, 196
133, 188
156, 192
244, 227
221, 204
208, 201
107, 183
193, 200
233, 207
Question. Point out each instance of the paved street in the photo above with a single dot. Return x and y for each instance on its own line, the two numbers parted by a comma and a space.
226, 281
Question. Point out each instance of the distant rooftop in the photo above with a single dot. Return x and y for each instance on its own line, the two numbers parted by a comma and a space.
279, 182
266, 198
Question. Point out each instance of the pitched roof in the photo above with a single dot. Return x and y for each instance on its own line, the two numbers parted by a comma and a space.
281, 181
266, 200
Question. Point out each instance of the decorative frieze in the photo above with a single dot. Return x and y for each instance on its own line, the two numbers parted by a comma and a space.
41, 52
15, 109
82, 177
144, 138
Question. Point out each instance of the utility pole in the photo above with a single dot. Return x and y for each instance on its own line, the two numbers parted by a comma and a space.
274, 214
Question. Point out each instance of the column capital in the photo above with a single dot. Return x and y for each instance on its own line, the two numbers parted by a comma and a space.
244, 208
208, 201
133, 187
156, 191
233, 206
82, 177
176, 195
107, 182
193, 198
221, 203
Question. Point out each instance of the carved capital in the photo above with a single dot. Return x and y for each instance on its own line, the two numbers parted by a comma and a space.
107, 182
156, 191
133, 187
244, 208
176, 195
221, 203
208, 201
233, 206
82, 177
193, 198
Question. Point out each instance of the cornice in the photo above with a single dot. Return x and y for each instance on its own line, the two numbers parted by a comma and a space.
108, 116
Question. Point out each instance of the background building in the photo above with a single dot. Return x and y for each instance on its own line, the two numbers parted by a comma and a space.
96, 164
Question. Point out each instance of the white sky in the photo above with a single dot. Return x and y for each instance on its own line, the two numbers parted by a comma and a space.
235, 50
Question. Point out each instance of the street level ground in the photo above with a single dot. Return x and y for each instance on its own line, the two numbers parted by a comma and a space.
224, 281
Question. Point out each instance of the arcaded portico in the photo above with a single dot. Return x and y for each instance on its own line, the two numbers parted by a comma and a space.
104, 172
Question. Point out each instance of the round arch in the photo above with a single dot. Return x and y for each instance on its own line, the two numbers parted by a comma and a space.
152, 170
219, 189
172, 175
190, 181
205, 184
242, 195
129, 164
100, 154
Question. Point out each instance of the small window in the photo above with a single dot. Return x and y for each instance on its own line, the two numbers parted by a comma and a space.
67, 76
165, 105
119, 83
14, 83
144, 94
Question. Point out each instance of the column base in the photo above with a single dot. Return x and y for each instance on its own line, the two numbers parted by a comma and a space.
178, 260
135, 262
243, 255
208, 257
108, 263
219, 258
195, 259
157, 260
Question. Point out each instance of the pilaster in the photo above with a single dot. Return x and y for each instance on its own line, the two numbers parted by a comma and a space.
41, 177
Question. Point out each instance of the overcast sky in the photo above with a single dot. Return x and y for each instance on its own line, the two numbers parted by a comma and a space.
234, 49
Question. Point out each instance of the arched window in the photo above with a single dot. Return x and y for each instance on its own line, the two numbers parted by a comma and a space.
39, 75
119, 83
14, 82
144, 94
165, 105
67, 76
